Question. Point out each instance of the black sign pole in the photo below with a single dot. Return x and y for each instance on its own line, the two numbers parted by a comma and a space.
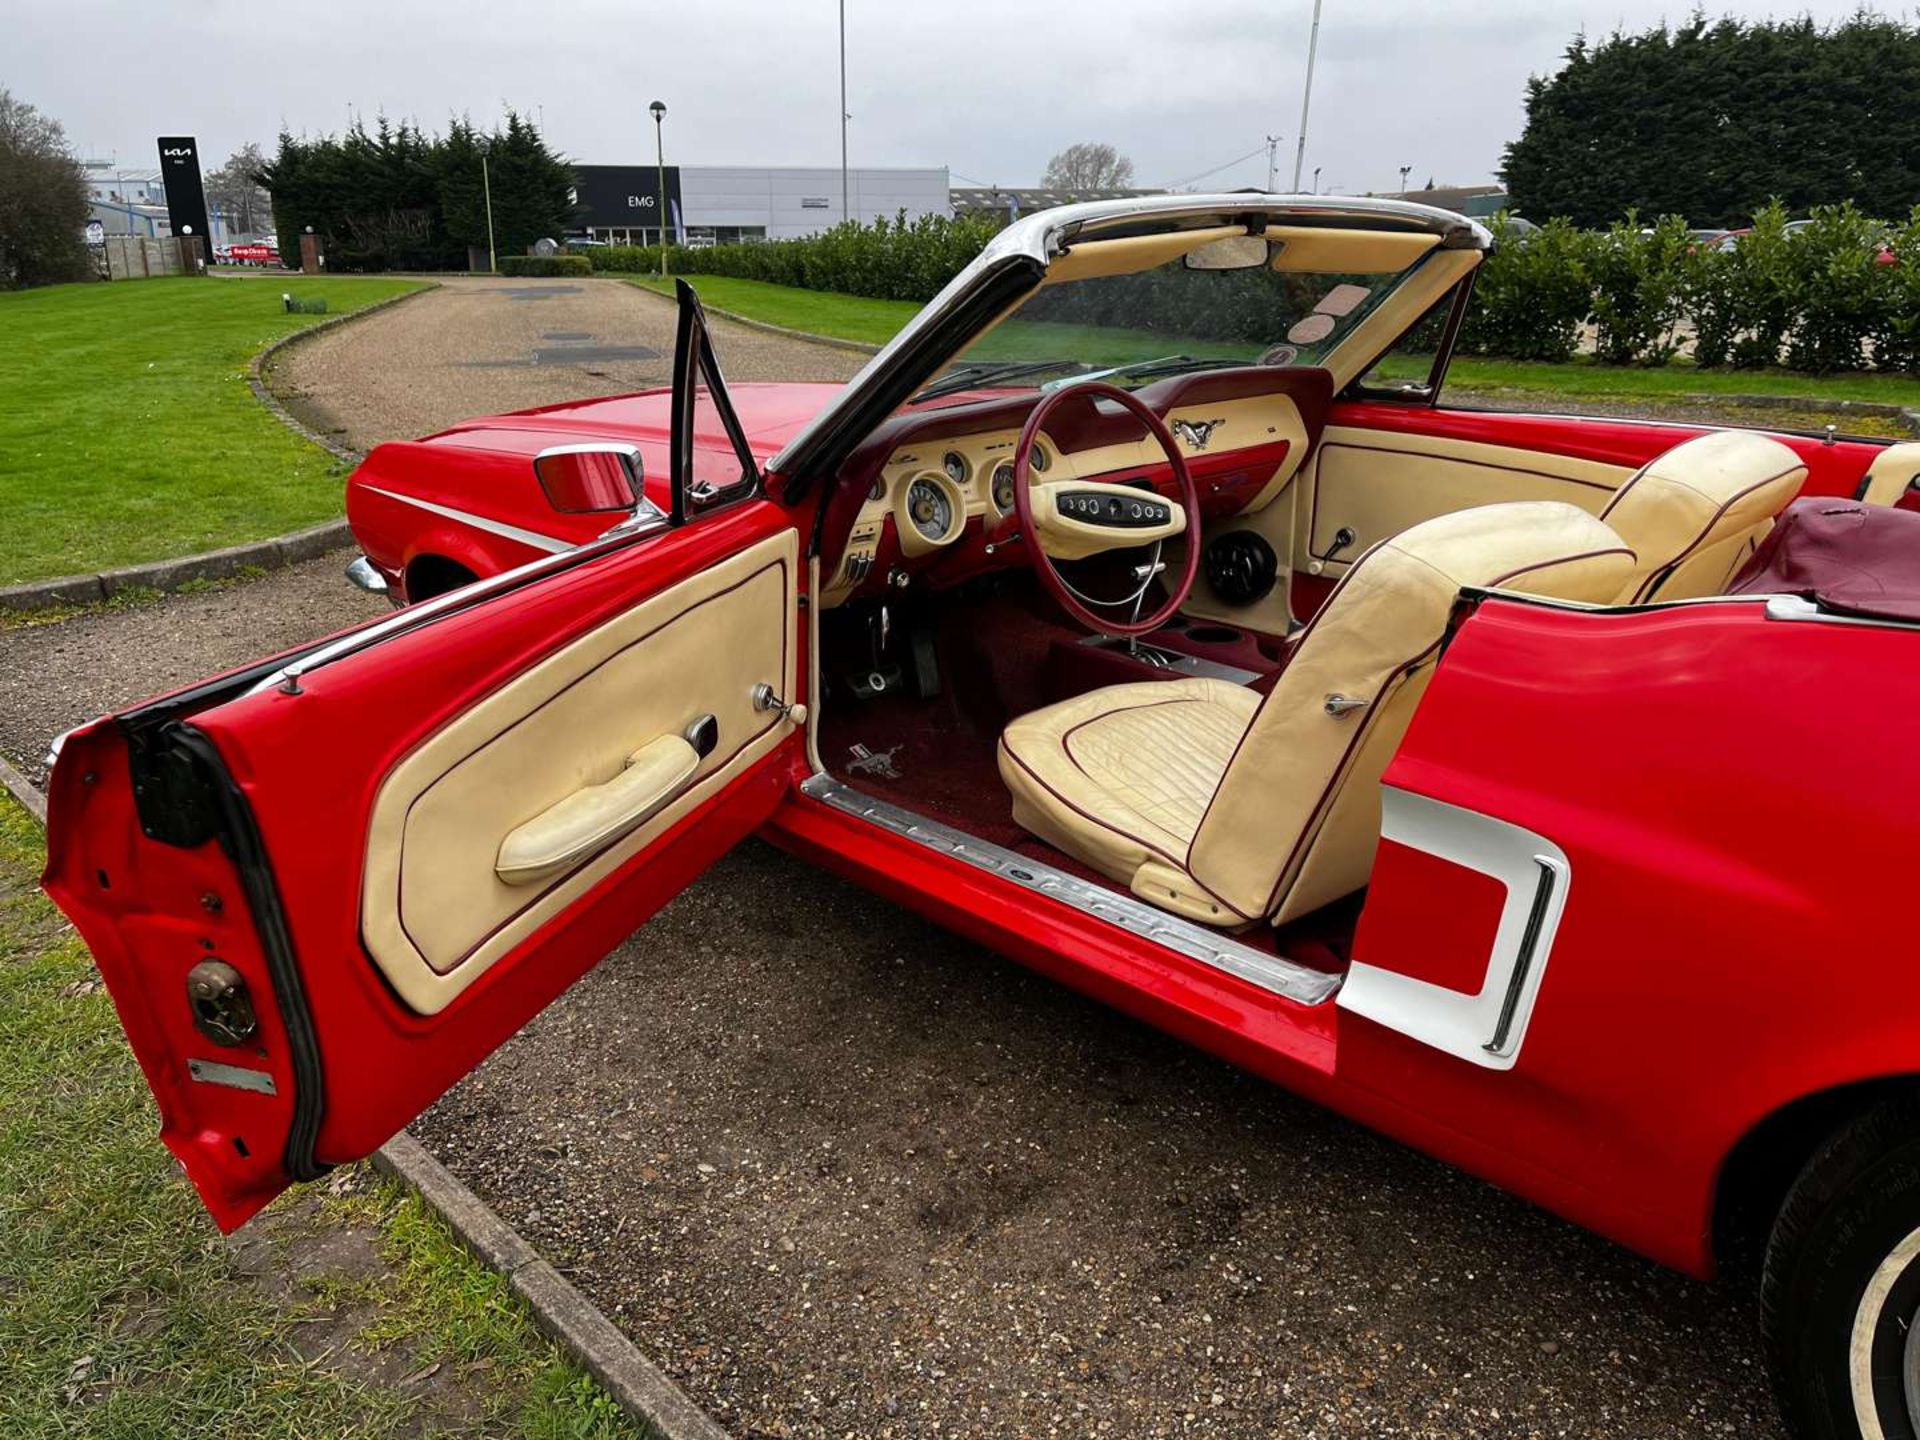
186, 195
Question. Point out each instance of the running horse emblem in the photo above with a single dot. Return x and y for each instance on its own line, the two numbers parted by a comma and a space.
1196, 432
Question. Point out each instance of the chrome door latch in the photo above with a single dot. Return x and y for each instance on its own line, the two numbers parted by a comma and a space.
765, 697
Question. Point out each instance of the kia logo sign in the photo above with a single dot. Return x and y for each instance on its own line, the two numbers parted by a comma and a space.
177, 154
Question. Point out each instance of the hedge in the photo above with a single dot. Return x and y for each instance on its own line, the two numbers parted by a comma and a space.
898, 259
544, 265
1840, 293
1821, 298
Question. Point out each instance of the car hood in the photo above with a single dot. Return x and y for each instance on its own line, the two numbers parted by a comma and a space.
770, 413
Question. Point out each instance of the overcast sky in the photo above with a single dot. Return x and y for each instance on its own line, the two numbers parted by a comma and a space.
988, 88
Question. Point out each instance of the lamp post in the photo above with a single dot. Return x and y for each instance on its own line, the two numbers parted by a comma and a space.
1405, 170
659, 111
486, 190
1306, 98
846, 203
1316, 179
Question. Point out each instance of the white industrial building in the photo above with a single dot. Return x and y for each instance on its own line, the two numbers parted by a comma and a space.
722, 204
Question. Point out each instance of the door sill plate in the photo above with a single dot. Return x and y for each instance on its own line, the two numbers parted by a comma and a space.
1298, 983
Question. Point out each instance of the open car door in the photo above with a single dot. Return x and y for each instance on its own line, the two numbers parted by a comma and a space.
321, 889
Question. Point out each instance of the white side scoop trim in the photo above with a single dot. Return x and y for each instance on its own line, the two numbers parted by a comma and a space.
1486, 1028
480, 522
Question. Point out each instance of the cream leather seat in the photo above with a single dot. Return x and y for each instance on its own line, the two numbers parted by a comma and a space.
1694, 513
1225, 807
1894, 471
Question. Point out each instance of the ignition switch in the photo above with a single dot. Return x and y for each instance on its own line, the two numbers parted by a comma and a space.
222, 1009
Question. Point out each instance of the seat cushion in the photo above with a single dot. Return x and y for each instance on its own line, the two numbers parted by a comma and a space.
1120, 777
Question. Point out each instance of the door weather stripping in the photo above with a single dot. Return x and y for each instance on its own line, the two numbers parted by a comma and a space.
1280, 977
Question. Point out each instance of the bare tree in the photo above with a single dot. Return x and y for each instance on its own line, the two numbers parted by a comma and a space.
1088, 166
235, 191
43, 200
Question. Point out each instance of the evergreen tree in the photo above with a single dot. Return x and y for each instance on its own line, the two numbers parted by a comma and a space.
397, 198
1709, 120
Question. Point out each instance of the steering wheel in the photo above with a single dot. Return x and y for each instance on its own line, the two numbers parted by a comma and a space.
1072, 519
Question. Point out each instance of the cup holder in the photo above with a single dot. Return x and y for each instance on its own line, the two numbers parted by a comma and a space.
1213, 634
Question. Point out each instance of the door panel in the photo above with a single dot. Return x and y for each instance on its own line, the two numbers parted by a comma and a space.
1376, 484
270, 833
434, 911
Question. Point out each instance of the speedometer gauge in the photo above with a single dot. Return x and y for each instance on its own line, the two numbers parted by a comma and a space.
1003, 486
929, 509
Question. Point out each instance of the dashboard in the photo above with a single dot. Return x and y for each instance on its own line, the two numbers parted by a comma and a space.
930, 494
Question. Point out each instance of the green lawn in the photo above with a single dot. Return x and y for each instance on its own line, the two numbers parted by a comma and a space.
122, 1314
128, 431
851, 317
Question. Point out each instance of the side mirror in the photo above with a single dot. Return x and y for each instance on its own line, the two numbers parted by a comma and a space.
589, 479
1235, 252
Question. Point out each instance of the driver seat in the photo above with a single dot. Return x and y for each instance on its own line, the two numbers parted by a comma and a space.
1225, 807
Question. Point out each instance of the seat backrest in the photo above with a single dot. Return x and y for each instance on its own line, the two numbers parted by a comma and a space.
1296, 817
1695, 513
1894, 471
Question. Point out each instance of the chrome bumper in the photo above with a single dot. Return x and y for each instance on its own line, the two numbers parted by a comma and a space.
363, 574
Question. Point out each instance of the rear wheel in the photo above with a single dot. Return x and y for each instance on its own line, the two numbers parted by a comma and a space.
1840, 1291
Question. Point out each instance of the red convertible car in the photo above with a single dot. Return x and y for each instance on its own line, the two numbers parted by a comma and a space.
1536, 789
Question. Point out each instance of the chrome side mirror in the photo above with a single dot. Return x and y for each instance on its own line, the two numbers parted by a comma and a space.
1234, 252
589, 479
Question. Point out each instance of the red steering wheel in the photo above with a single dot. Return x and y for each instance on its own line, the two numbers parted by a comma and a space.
1069, 599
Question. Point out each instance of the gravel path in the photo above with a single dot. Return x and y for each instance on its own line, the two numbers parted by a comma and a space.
843, 1174
52, 677
478, 346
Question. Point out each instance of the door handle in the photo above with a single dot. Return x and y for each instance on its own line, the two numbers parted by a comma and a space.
587, 821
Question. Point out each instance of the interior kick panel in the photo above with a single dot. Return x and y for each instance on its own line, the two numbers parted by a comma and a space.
435, 914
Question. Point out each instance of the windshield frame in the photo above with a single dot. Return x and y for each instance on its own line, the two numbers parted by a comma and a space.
1015, 262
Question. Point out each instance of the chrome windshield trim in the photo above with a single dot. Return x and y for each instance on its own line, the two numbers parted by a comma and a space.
1043, 234
1298, 983
413, 616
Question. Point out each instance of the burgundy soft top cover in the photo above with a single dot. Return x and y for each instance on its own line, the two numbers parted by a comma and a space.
1848, 557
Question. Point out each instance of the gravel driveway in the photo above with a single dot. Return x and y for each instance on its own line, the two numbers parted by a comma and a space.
478, 346
841, 1173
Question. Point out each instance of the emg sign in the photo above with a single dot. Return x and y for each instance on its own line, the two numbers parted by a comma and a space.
614, 196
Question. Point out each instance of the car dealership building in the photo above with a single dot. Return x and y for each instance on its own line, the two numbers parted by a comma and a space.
721, 204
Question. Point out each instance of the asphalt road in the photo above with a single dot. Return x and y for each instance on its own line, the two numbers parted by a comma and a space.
841, 1173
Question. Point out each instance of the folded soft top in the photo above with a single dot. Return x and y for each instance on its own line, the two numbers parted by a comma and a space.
1845, 556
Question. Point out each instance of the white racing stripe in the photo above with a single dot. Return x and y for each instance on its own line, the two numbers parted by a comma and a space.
481, 522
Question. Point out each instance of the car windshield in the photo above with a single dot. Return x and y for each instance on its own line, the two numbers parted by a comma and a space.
1167, 319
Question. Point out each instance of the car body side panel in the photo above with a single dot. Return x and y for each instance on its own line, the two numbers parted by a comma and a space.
1736, 799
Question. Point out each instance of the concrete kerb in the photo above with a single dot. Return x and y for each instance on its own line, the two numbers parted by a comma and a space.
272, 553
566, 1316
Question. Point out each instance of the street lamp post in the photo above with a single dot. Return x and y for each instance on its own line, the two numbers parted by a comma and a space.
659, 111
846, 201
1306, 98
486, 190
1316, 179
1405, 170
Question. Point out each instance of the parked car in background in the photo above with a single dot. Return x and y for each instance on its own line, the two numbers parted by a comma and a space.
1487, 777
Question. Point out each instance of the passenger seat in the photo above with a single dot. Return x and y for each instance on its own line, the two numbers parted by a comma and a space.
1695, 513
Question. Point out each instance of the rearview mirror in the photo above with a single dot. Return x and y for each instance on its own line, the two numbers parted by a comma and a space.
589, 479
1236, 252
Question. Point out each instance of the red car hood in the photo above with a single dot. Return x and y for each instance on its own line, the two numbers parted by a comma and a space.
771, 413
